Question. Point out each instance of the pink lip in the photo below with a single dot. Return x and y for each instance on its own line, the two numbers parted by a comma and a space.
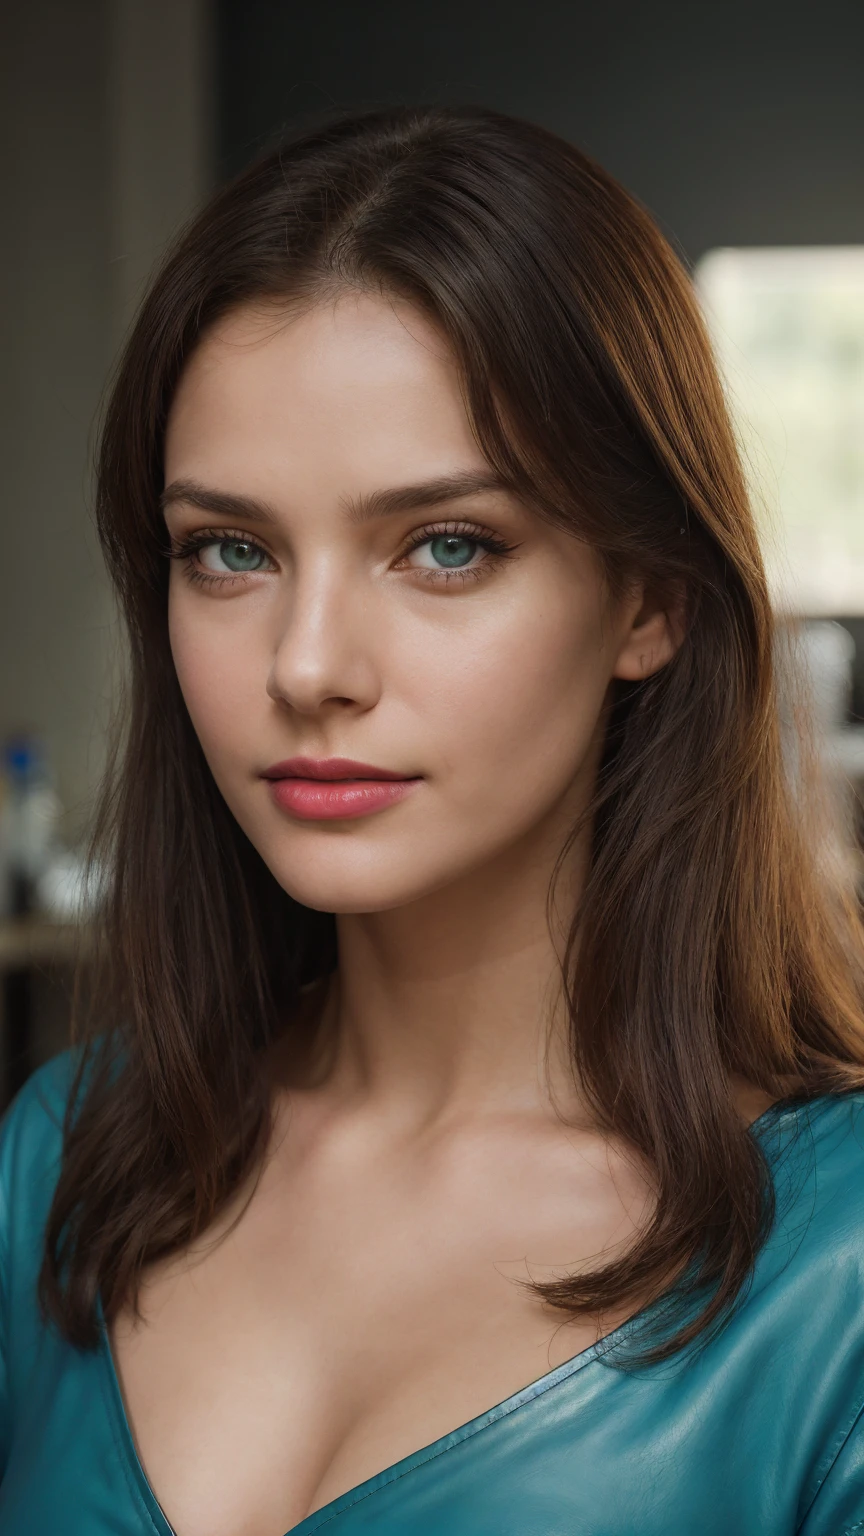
334, 788
328, 768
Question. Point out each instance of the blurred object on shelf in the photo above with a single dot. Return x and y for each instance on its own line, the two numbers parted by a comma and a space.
37, 873
28, 823
815, 662
46, 896
66, 891
829, 656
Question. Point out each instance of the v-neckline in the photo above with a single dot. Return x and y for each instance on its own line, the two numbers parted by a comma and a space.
370, 1485
134, 1470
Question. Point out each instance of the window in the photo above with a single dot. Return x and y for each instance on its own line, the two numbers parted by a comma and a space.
788, 329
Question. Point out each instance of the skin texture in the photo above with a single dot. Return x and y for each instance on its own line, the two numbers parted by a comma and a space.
430, 1145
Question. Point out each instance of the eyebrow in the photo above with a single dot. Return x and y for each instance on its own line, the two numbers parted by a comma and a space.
358, 509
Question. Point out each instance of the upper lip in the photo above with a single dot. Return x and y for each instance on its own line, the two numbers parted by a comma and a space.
329, 768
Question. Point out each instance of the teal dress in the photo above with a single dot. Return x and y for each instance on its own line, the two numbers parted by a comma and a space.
762, 1434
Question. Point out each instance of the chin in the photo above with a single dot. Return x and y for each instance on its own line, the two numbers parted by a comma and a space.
345, 890
341, 896
334, 882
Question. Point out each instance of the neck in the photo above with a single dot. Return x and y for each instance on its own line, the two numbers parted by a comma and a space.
452, 1004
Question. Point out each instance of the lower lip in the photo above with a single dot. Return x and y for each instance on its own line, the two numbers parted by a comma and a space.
338, 799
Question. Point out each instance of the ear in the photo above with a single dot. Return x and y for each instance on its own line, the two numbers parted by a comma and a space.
656, 629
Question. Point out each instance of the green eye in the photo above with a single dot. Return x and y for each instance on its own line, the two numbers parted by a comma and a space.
234, 555
448, 551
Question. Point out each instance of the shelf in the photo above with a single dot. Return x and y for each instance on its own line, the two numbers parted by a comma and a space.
30, 941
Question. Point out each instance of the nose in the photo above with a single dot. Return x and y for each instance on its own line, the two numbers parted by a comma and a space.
322, 645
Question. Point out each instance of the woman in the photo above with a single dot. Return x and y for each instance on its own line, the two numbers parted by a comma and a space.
468, 1132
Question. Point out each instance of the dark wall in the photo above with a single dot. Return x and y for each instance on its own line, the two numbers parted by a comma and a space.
738, 122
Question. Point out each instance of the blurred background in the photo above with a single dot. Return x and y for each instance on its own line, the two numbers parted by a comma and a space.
740, 127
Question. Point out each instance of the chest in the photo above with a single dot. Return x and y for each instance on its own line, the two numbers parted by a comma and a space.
354, 1311
586, 1451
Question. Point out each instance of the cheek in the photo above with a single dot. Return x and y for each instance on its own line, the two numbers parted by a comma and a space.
518, 705
219, 678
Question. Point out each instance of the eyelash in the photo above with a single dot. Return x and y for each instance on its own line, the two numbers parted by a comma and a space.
185, 550
497, 549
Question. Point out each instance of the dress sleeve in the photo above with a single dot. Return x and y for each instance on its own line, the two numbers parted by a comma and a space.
4, 1293
838, 1508
30, 1144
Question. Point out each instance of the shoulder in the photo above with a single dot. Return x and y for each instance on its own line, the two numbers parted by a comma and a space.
812, 1306
37, 1111
31, 1144
807, 1291
816, 1155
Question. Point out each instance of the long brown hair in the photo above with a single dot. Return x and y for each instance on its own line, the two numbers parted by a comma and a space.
710, 942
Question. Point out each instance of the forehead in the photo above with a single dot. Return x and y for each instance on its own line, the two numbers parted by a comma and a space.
354, 385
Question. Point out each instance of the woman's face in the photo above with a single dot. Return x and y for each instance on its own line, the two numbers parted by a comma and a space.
333, 601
